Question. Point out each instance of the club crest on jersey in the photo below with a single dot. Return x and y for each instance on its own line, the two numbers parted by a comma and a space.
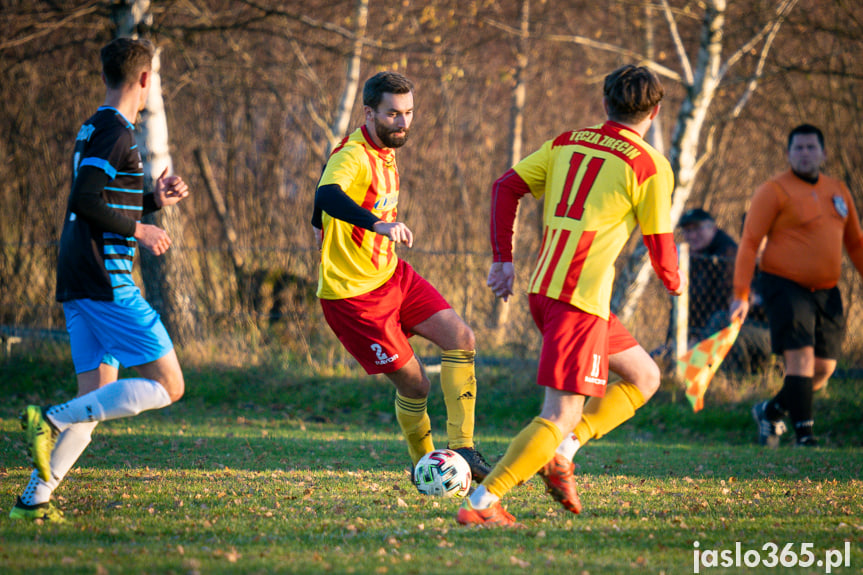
840, 205
381, 355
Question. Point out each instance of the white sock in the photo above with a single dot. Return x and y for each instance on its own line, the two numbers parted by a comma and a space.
68, 448
568, 446
482, 498
123, 398
36, 492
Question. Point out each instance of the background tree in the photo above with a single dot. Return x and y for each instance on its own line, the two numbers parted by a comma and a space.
246, 80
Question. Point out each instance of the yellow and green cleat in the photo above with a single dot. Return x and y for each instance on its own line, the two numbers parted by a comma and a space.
44, 511
40, 435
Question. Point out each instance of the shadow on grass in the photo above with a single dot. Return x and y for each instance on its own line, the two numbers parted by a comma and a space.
273, 398
192, 437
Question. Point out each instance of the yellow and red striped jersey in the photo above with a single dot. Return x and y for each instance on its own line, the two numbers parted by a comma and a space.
354, 260
598, 184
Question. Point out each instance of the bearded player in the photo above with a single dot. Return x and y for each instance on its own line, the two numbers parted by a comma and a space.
373, 300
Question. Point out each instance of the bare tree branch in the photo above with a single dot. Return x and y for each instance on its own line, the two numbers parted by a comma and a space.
316, 81
584, 41
320, 25
51, 27
752, 84
352, 80
782, 9
635, 56
678, 43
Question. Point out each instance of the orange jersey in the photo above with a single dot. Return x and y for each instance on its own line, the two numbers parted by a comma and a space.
354, 260
598, 184
806, 226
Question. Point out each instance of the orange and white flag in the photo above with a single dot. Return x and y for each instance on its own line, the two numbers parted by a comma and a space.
700, 363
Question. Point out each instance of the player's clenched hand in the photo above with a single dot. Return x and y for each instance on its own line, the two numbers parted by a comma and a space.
682, 284
169, 189
501, 277
153, 238
396, 231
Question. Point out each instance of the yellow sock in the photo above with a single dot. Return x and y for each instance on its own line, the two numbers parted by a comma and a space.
416, 426
532, 448
458, 383
602, 414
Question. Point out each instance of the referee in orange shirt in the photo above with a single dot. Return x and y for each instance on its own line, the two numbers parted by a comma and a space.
807, 217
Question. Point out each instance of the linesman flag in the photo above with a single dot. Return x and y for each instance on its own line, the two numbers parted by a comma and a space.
700, 363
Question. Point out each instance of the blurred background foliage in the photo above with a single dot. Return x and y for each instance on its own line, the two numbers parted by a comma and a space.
254, 84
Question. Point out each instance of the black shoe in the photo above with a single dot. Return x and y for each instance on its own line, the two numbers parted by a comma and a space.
806, 441
768, 431
479, 467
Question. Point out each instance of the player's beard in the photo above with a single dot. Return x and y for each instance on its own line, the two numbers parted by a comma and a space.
389, 137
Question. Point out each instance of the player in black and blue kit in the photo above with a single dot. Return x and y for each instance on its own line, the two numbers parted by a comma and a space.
108, 320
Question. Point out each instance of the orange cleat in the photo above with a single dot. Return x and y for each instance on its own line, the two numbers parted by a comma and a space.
560, 482
494, 516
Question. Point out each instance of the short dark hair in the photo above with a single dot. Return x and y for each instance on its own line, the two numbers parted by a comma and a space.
804, 129
123, 60
694, 216
384, 83
631, 92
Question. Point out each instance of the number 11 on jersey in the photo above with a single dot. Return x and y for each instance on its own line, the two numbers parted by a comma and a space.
576, 209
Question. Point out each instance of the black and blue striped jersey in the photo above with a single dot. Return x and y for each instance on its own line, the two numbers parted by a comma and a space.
97, 247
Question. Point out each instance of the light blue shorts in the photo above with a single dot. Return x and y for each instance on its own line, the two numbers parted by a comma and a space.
125, 331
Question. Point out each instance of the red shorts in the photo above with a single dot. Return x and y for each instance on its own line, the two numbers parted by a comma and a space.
374, 327
576, 346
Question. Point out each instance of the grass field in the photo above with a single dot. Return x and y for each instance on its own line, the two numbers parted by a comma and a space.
269, 470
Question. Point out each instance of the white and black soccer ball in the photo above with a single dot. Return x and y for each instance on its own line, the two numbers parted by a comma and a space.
443, 473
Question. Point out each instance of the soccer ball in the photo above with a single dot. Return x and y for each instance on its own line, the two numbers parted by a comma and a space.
443, 473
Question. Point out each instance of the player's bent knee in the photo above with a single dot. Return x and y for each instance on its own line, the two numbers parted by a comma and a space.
176, 394
464, 337
649, 379
175, 389
410, 381
467, 340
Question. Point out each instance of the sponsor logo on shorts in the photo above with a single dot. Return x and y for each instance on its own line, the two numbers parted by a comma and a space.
594, 371
382, 357
466, 395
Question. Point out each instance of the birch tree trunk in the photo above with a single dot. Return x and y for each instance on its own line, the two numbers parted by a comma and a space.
701, 86
342, 118
166, 278
516, 137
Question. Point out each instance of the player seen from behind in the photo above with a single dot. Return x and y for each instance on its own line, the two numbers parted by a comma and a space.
597, 184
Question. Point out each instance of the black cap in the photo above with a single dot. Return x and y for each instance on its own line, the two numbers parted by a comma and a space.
694, 216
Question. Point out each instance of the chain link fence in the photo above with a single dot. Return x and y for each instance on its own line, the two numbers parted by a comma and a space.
271, 308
